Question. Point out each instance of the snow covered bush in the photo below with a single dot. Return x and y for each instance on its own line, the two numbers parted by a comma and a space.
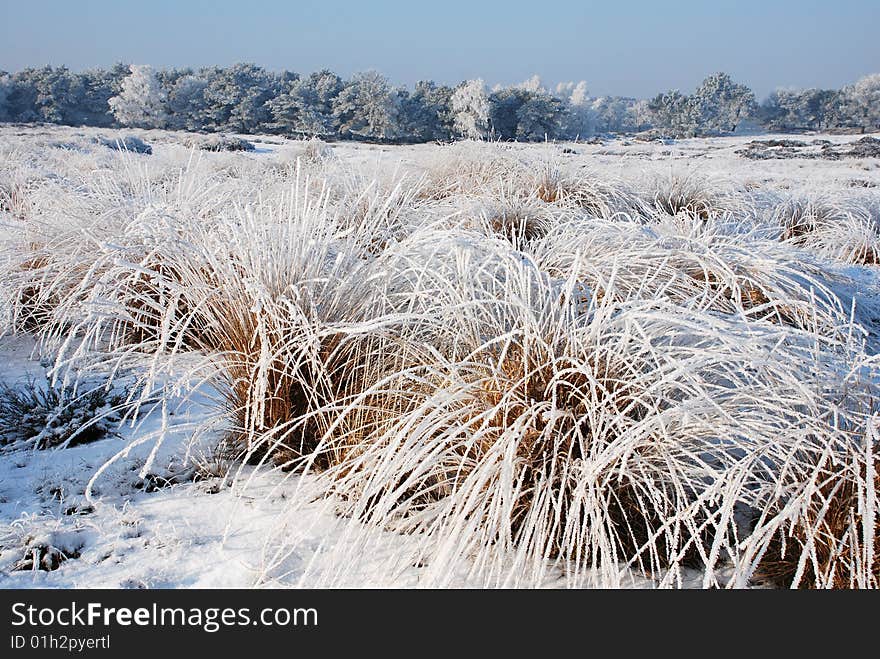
844, 232
129, 143
686, 193
833, 541
558, 430
220, 143
47, 551
43, 416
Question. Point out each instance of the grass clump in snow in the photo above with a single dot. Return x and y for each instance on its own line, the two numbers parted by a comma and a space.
828, 528
837, 228
521, 373
686, 193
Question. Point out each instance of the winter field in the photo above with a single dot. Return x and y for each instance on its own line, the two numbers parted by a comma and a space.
620, 364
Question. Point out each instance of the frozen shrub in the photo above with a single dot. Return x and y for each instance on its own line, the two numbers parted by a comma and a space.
221, 143
52, 416
13, 198
518, 220
129, 143
316, 150
554, 185
866, 147
825, 522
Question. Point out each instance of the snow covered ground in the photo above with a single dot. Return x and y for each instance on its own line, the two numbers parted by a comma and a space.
118, 512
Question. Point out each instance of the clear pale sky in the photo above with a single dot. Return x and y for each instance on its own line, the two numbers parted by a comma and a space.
618, 47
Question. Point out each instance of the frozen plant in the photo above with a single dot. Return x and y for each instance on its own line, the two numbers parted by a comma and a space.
142, 102
43, 416
470, 110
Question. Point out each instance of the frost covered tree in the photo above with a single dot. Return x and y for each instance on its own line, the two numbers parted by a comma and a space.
526, 111
247, 99
721, 104
469, 105
533, 85
504, 106
861, 103
45, 94
306, 105
585, 115
540, 117
616, 114
782, 110
289, 108
787, 110
640, 115
98, 86
169, 77
577, 119
424, 115
573, 93
716, 108
322, 89
673, 114
141, 102
5, 87
236, 97
187, 103
366, 107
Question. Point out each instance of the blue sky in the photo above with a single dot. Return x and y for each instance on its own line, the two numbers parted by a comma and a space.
618, 47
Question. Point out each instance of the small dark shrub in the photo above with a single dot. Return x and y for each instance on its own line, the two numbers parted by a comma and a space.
221, 143
128, 143
50, 416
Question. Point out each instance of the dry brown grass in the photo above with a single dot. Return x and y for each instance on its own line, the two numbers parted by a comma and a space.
843, 232
866, 255
14, 200
552, 185
269, 399
467, 169
801, 217
519, 223
35, 301
538, 406
826, 543
512, 390
747, 296
688, 195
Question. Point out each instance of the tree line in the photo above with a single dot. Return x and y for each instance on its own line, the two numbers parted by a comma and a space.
245, 98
